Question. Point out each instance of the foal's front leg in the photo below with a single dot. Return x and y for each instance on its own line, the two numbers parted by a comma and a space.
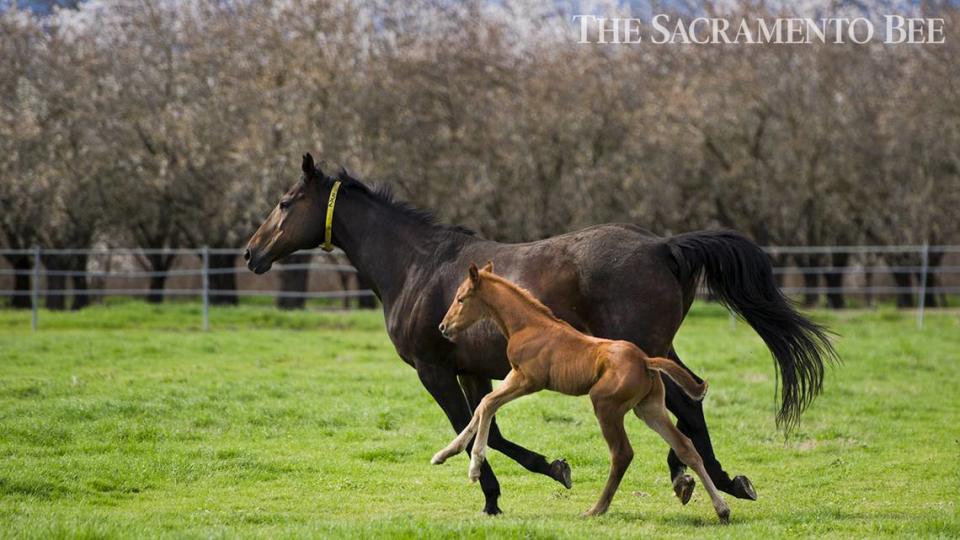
514, 385
480, 422
459, 442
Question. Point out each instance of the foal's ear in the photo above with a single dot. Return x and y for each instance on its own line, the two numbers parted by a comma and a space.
474, 274
488, 267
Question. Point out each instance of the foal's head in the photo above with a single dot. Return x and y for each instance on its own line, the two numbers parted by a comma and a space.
295, 223
467, 308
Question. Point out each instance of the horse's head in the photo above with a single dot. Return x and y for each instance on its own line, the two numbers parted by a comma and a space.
297, 222
467, 308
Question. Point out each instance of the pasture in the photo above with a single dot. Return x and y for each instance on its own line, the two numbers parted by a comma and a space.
127, 421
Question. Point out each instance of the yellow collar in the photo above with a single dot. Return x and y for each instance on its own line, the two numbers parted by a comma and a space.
328, 231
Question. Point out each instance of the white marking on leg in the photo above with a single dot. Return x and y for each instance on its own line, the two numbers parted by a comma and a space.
458, 443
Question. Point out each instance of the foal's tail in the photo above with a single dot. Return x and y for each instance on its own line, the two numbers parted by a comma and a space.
682, 377
739, 273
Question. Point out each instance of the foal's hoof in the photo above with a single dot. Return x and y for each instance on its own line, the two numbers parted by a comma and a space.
473, 473
594, 512
724, 516
683, 487
742, 488
560, 471
438, 458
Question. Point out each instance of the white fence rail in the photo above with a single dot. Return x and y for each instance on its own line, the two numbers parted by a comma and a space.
922, 271
38, 272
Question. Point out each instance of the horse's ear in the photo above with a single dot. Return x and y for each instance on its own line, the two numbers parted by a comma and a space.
488, 267
308, 167
474, 274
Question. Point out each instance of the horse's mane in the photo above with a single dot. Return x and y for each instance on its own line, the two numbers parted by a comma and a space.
384, 193
524, 294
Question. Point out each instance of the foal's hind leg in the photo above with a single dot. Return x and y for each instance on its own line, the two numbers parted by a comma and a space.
610, 414
653, 412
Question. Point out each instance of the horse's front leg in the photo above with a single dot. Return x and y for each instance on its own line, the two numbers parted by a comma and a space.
476, 387
441, 382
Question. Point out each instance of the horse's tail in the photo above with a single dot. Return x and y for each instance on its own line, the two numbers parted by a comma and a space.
740, 275
696, 390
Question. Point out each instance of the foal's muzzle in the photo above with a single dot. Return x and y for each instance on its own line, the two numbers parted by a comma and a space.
447, 331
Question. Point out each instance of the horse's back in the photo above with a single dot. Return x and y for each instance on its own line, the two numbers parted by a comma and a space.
612, 280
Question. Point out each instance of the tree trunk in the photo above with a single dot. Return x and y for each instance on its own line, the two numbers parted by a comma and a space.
158, 262
56, 301
56, 298
157, 285
834, 280
21, 281
930, 298
225, 284
80, 297
778, 261
365, 302
345, 286
811, 280
293, 281
78, 263
903, 280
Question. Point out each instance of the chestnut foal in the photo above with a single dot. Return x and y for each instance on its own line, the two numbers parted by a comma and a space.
547, 353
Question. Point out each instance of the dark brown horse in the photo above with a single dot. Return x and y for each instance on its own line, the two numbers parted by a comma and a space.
615, 281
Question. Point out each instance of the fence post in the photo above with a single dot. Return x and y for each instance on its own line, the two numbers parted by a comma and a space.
35, 289
205, 273
924, 266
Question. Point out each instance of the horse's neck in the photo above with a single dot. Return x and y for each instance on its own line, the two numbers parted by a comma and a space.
511, 311
381, 242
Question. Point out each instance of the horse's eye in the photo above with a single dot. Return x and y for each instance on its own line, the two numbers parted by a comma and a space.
460, 300
284, 204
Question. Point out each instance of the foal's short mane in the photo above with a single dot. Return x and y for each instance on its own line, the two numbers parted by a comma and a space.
384, 194
524, 294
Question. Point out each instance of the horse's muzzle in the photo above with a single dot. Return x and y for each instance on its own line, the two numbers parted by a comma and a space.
256, 263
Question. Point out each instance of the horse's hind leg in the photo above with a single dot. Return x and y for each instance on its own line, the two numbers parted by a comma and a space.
653, 412
476, 387
690, 422
610, 414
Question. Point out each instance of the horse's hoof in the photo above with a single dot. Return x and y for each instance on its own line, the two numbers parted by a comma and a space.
683, 487
438, 458
492, 510
560, 471
742, 488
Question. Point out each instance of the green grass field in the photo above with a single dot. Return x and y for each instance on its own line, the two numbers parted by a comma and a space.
129, 422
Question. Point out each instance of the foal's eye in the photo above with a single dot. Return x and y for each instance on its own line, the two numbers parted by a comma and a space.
460, 300
284, 204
